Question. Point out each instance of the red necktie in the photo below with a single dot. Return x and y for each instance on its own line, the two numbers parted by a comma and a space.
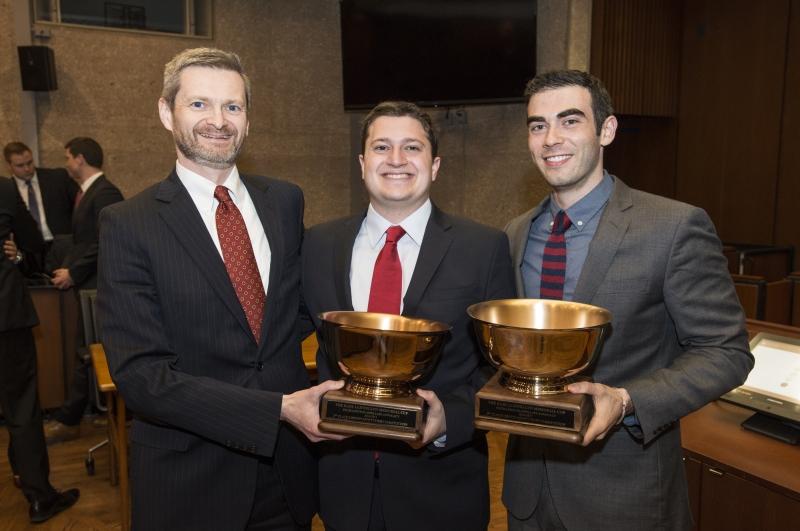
554, 261
78, 198
240, 261
387, 277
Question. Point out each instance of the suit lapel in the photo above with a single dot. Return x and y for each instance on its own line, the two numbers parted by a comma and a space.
267, 212
610, 232
181, 216
86, 200
345, 237
518, 239
435, 244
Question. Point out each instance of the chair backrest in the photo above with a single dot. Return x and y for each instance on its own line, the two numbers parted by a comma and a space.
778, 304
795, 280
90, 330
752, 291
773, 262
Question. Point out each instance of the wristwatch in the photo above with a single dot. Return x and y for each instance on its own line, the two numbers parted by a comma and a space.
17, 259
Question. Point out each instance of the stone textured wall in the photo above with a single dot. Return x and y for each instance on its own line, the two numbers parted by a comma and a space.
109, 82
10, 88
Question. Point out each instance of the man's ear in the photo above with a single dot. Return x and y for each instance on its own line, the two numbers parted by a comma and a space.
165, 113
608, 131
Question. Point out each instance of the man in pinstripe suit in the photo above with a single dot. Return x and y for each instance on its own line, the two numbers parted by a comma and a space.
216, 380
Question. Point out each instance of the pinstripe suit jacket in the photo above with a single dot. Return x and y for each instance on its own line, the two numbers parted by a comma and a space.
207, 398
678, 341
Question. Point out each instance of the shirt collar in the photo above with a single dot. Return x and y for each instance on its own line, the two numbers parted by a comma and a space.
588, 206
414, 224
90, 181
202, 188
22, 182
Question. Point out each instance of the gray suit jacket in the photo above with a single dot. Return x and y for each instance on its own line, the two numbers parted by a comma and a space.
678, 342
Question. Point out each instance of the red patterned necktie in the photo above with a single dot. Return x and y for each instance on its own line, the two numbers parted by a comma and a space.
240, 261
387, 277
554, 261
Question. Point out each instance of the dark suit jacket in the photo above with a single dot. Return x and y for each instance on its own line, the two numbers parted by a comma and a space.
16, 308
58, 198
81, 259
460, 263
677, 342
207, 398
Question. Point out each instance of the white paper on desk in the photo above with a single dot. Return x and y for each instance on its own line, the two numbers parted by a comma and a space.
777, 370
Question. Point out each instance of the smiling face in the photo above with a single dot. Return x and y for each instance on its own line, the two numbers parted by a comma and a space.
563, 140
21, 165
397, 166
209, 118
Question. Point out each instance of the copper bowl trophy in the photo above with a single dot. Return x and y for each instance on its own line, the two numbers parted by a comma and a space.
539, 347
380, 355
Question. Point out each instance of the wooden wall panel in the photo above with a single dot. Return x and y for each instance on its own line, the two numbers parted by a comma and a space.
643, 153
787, 227
732, 82
636, 52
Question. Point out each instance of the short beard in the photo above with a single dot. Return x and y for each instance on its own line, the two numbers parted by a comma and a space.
218, 160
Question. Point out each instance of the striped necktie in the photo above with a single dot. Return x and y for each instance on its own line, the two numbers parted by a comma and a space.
554, 261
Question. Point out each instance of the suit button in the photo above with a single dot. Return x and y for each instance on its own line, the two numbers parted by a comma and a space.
260, 365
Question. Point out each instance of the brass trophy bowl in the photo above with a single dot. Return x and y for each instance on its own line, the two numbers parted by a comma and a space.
539, 347
380, 356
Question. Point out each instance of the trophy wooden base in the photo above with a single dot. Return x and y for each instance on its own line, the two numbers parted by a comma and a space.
561, 417
391, 418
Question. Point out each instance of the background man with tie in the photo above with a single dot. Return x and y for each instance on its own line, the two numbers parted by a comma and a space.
78, 270
404, 255
49, 195
677, 342
198, 297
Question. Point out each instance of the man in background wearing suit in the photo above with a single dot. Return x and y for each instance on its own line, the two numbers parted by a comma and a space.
678, 339
198, 300
27, 452
49, 195
84, 160
448, 263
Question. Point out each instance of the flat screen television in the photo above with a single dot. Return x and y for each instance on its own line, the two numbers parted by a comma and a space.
772, 388
437, 52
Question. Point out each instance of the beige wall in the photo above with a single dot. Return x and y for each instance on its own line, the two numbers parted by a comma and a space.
109, 82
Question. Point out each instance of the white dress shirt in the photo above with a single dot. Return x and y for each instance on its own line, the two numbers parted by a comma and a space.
90, 181
368, 245
22, 186
201, 191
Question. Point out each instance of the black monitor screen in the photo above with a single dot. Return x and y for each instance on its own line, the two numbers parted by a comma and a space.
437, 52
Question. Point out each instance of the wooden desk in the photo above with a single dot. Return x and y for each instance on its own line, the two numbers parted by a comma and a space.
56, 342
117, 430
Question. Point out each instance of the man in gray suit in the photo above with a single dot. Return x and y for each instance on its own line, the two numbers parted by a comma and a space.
678, 339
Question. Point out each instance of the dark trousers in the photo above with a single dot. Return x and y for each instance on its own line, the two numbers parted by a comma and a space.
27, 451
270, 510
71, 411
376, 519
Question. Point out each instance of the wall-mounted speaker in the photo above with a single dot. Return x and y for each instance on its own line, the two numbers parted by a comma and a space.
37, 67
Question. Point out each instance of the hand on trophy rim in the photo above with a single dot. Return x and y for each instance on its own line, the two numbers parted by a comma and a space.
436, 422
301, 410
608, 403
